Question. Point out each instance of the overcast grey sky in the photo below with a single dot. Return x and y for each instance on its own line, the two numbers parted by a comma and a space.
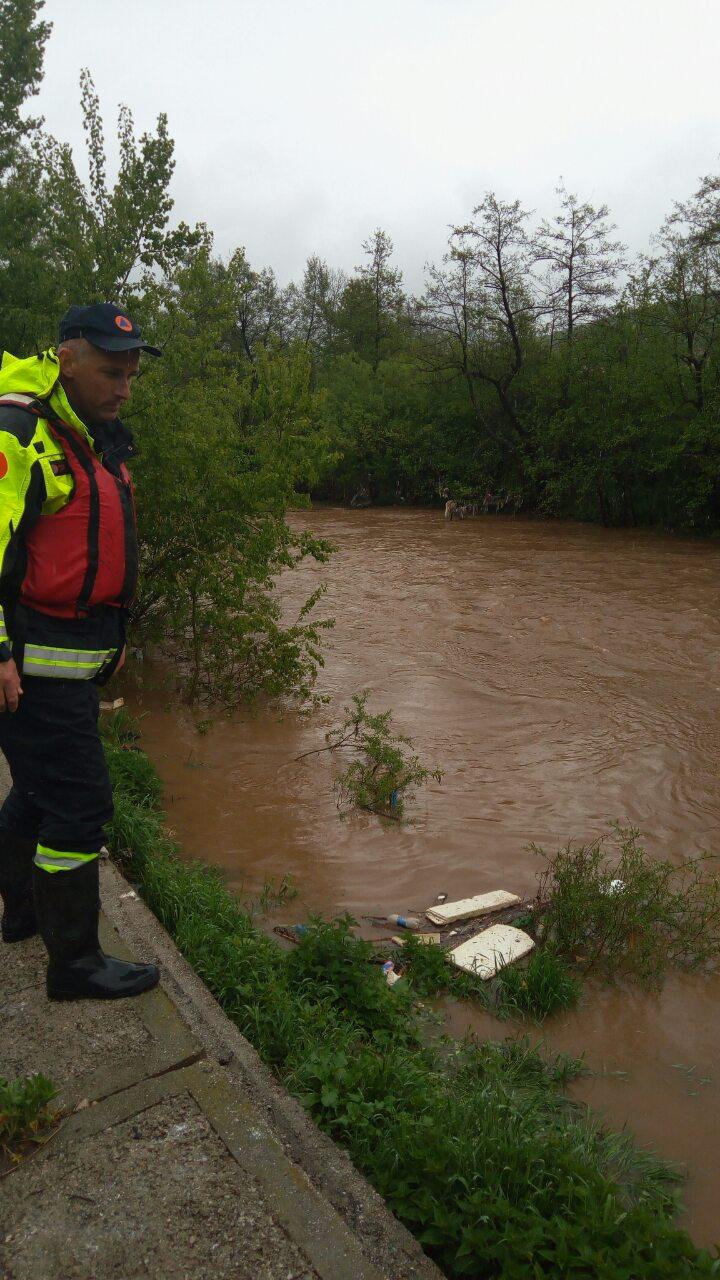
301, 125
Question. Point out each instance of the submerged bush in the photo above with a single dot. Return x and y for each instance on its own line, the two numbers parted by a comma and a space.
542, 986
537, 988
621, 912
385, 772
334, 964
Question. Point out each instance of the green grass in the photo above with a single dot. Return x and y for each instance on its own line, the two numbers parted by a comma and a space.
24, 1109
472, 1145
541, 987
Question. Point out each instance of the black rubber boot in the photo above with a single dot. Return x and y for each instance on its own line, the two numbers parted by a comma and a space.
68, 909
16, 855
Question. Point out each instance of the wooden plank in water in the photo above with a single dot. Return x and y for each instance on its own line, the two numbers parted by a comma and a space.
490, 951
482, 903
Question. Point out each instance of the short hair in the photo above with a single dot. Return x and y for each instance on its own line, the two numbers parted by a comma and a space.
80, 347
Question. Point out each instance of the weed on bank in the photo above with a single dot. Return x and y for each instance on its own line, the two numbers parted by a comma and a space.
473, 1146
24, 1110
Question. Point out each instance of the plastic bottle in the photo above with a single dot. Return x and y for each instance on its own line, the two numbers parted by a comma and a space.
404, 922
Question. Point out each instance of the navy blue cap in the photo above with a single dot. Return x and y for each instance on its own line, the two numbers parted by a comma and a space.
105, 326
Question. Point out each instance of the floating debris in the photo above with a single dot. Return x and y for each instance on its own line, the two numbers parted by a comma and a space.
391, 977
426, 939
615, 886
490, 951
482, 903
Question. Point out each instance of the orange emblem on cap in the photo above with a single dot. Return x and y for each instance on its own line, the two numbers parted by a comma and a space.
123, 323
3, 466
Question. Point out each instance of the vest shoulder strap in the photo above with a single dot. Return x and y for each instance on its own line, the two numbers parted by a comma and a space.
19, 415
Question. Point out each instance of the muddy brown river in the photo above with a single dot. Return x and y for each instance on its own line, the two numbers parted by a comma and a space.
563, 677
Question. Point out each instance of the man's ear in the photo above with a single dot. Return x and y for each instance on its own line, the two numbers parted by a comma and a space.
67, 362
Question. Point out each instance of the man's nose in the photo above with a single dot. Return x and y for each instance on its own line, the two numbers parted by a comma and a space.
125, 388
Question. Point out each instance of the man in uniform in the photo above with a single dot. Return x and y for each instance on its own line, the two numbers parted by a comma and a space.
68, 567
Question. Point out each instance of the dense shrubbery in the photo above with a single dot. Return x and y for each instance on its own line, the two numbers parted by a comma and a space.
620, 913
473, 1146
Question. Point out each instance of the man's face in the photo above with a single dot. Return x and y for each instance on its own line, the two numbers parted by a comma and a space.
98, 383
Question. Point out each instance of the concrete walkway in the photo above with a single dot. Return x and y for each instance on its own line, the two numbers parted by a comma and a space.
179, 1157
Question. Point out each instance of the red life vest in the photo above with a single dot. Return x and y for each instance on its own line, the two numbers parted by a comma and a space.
85, 554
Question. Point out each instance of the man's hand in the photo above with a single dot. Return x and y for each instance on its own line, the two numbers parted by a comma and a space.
10, 687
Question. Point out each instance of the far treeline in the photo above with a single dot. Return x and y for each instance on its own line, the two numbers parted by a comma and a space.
539, 365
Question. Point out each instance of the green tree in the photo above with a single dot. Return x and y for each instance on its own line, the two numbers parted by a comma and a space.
372, 301
684, 285
23, 278
22, 47
226, 446
478, 314
583, 262
314, 305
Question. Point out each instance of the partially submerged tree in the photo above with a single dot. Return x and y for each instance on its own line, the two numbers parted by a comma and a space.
212, 509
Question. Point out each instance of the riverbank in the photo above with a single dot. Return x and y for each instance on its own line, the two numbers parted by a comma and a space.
177, 1153
472, 1146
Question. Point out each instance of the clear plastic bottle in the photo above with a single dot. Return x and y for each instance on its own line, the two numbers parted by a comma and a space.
404, 922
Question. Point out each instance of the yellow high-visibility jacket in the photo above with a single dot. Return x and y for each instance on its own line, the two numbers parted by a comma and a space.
36, 480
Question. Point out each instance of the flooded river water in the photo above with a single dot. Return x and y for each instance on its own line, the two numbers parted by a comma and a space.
562, 677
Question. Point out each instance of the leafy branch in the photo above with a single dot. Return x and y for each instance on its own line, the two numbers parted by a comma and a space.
384, 771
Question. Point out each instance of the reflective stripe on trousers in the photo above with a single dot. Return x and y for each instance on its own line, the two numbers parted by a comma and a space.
53, 860
67, 664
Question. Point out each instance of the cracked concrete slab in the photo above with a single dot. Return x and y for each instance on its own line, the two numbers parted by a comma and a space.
153, 1182
22, 965
110, 1205
90, 1047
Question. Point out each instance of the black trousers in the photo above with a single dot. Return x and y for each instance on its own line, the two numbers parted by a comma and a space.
61, 794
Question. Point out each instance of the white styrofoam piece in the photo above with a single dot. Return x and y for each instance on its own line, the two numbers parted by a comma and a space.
493, 949
449, 912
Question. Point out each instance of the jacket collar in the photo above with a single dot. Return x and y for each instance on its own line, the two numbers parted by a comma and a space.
114, 441
40, 376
